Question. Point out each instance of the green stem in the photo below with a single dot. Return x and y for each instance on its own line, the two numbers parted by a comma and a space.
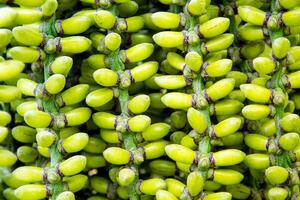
50, 106
129, 139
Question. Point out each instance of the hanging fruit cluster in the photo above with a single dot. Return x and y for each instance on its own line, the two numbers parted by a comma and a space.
149, 99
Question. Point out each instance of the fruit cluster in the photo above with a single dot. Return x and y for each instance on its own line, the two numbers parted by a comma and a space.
149, 99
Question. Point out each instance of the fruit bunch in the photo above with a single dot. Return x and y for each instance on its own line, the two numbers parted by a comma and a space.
149, 99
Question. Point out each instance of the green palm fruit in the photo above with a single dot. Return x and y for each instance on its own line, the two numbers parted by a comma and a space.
218, 43
227, 107
32, 54
144, 71
164, 195
45, 138
9, 158
277, 193
148, 22
95, 145
256, 142
29, 174
129, 8
125, 177
193, 60
5, 118
220, 89
251, 50
72, 165
75, 142
96, 61
151, 186
67, 131
104, 19
110, 136
228, 157
61, 65
9, 194
256, 93
177, 136
177, 100
9, 93
96, 39
186, 168
122, 192
263, 65
239, 191
289, 141
251, 32
138, 38
31, 191
180, 153
104, 120
38, 119
195, 183
176, 61
293, 79
26, 106
55, 83
289, 18
252, 15
49, 7
276, 175
74, 25
138, 53
27, 154
288, 4
27, 86
6, 36
155, 149
29, 35
280, 47
8, 16
293, 55
139, 104
257, 161
112, 41
189, 142
73, 95
178, 119
156, 131
44, 151
117, 156
78, 116
13, 181
218, 196
171, 81
174, 186
197, 7
99, 97
67, 195
24, 134
3, 133
214, 27
27, 15
290, 122
94, 161
163, 167
211, 185
239, 77
106, 77
10, 69
139, 123
218, 68
268, 127
227, 126
227, 176
97, 197
169, 39
155, 101
197, 120
166, 20
99, 184
257, 111
134, 24
77, 182
74, 44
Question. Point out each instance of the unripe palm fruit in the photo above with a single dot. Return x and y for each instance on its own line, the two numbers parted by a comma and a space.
176, 61
155, 149
156, 131
78, 116
3, 133
251, 32
104, 19
180, 153
72, 165
256, 142
276, 175
256, 111
126, 176
166, 20
117, 156
151, 186
227, 126
164, 195
99, 97
195, 183
73, 95
61, 65
163, 167
214, 27
139, 104
28, 35
138, 52
29, 174
24, 134
10, 69
106, 77
228, 157
27, 86
144, 71
277, 193
104, 120
239, 191
139, 123
218, 43
9, 158
45, 138
31, 191
8, 16
218, 196
256, 93
112, 41
55, 83
174, 186
171, 81
169, 39
27, 154
75, 25
257, 161
227, 176
5, 118
289, 141
263, 65
197, 120
197, 7
177, 100
193, 60
252, 15
75, 142
77, 182
67, 195
218, 68
280, 47
38, 119
290, 18
220, 89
